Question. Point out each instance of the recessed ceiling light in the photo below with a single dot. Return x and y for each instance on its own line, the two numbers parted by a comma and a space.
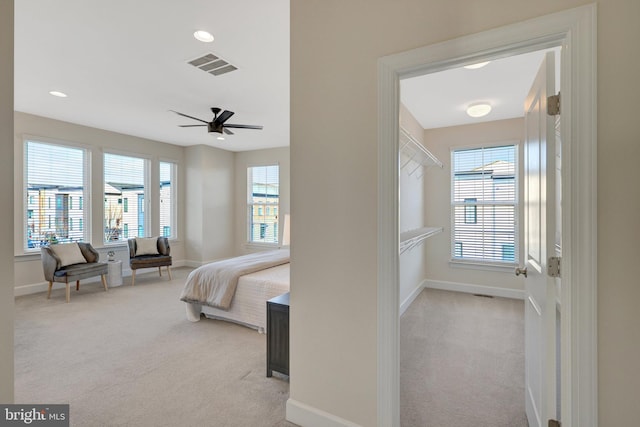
203, 36
58, 94
476, 66
221, 138
479, 110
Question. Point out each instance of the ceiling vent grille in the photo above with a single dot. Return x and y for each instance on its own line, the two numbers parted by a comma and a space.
212, 64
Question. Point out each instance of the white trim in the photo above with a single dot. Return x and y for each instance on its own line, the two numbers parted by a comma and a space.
575, 30
475, 289
308, 416
412, 296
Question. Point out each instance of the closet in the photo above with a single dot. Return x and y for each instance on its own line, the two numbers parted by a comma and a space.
415, 163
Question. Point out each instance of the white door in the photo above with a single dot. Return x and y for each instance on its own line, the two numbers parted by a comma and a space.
539, 237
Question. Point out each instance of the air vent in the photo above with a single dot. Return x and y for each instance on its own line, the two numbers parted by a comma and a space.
212, 64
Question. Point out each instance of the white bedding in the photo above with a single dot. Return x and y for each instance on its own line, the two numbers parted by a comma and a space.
249, 306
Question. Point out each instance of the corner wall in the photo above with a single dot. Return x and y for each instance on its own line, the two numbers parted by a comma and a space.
209, 219
6, 200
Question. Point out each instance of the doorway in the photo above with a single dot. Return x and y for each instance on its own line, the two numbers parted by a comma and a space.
476, 198
574, 31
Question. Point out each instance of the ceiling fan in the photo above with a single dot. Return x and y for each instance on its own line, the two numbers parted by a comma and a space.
218, 124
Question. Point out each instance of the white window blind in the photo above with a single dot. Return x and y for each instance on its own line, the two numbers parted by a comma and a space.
263, 198
167, 193
55, 189
124, 197
484, 204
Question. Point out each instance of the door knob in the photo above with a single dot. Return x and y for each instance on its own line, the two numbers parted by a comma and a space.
522, 271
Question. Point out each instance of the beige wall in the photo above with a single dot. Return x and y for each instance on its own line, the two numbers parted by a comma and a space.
28, 268
210, 199
243, 160
6, 200
333, 274
438, 190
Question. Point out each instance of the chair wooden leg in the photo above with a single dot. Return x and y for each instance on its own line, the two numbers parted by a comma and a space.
77, 285
104, 282
49, 293
169, 272
68, 291
160, 271
133, 277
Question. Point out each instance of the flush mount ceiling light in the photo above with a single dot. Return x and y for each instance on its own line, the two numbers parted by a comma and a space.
479, 110
476, 66
58, 94
203, 36
220, 138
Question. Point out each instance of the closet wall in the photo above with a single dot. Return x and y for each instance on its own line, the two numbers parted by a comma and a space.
412, 210
440, 272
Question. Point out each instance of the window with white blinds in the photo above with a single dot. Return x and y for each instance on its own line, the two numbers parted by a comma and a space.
263, 197
167, 194
55, 193
484, 205
124, 197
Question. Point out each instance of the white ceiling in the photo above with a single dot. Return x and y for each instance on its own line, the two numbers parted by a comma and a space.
441, 99
124, 65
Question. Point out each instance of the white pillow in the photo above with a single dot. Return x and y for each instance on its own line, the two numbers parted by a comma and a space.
147, 246
69, 253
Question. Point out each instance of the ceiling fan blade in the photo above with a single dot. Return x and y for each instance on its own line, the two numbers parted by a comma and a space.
190, 117
191, 126
223, 117
227, 131
243, 126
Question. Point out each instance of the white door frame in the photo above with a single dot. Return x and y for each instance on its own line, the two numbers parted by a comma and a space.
575, 31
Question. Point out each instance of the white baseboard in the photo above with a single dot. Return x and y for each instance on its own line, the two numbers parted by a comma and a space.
308, 416
474, 289
34, 288
407, 302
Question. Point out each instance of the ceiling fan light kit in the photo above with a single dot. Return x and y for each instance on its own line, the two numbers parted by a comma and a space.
218, 124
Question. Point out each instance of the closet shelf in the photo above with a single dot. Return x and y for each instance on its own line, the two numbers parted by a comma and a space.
412, 238
415, 153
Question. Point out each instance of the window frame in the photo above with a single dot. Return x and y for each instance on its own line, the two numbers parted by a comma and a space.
173, 222
456, 245
26, 200
250, 205
145, 211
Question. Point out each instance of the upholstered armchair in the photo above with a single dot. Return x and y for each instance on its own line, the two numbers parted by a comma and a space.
67, 262
147, 252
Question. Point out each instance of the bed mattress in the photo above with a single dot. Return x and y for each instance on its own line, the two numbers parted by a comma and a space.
249, 305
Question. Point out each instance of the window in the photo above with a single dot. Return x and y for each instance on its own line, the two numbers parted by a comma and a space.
167, 199
263, 192
484, 204
124, 178
49, 189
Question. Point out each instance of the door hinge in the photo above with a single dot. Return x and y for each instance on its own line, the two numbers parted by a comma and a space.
554, 423
553, 105
553, 266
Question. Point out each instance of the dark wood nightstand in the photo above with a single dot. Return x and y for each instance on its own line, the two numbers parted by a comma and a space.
278, 334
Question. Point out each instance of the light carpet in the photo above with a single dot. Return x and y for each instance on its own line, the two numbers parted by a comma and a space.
462, 361
129, 357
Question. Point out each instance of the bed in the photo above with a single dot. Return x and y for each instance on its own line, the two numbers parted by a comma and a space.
254, 279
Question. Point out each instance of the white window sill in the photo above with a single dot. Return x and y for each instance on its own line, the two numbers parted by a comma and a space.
484, 266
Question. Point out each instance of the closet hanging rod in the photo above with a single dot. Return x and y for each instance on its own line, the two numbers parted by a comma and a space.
425, 157
412, 238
